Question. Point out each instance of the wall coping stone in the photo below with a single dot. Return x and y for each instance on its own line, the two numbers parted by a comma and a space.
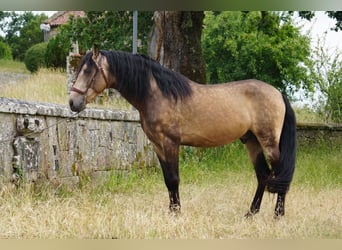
16, 106
319, 126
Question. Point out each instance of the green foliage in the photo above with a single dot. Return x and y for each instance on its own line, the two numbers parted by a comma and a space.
108, 29
57, 51
307, 115
334, 96
326, 72
5, 51
337, 15
35, 57
261, 45
22, 31
334, 90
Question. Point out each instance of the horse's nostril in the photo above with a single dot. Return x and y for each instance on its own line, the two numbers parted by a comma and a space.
72, 105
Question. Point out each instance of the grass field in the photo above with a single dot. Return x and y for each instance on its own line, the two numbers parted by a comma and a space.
46, 86
13, 66
217, 186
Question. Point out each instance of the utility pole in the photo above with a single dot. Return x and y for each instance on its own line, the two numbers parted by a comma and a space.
135, 31
135, 36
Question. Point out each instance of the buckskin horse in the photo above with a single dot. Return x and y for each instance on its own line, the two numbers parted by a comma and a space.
176, 111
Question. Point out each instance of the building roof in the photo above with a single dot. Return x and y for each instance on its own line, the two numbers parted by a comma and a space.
62, 17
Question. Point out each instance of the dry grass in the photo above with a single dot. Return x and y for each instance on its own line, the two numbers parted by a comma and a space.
50, 86
209, 212
45, 86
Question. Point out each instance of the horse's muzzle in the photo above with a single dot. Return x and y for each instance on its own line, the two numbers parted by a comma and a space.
77, 104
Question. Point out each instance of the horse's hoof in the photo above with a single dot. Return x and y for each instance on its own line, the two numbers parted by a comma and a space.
175, 209
252, 212
278, 216
249, 214
278, 213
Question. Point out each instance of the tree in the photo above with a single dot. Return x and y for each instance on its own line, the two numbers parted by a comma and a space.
22, 31
337, 15
326, 71
261, 45
30, 34
57, 50
113, 30
109, 29
176, 42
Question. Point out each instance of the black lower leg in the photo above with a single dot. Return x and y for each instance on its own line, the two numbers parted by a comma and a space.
262, 172
171, 178
280, 205
255, 207
174, 201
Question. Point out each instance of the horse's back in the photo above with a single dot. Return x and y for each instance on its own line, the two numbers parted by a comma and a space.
219, 114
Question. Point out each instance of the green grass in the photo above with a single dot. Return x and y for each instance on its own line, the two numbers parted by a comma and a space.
307, 115
316, 168
13, 66
319, 166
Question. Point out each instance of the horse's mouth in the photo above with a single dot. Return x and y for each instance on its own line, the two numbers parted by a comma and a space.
76, 106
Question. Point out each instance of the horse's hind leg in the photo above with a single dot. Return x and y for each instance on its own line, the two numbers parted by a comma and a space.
261, 169
280, 205
273, 156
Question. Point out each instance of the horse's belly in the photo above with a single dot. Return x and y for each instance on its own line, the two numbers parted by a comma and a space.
210, 138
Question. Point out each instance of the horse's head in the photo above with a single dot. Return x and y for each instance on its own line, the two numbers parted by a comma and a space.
91, 80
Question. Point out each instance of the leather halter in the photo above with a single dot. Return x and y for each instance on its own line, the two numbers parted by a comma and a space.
98, 68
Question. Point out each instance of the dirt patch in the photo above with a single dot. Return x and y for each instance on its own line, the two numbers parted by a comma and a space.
10, 78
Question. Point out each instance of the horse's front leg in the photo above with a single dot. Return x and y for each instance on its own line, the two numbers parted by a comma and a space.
169, 158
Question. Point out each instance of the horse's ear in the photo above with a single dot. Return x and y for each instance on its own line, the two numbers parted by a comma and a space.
95, 51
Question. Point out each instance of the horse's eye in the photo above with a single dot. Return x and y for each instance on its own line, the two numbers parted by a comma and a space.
87, 71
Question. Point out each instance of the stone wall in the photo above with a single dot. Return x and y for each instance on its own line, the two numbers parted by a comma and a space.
317, 133
47, 141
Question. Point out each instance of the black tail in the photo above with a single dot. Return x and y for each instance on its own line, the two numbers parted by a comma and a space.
282, 175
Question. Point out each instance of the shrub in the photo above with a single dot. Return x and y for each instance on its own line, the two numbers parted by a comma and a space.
56, 52
35, 57
326, 72
5, 51
333, 108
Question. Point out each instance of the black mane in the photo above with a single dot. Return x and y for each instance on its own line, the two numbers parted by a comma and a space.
133, 73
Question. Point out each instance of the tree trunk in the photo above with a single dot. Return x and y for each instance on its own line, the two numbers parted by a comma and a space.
176, 42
